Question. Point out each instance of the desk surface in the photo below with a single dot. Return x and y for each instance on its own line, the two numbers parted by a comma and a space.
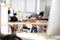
38, 23
34, 36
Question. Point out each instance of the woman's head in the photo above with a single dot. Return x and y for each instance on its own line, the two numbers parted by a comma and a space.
40, 16
41, 13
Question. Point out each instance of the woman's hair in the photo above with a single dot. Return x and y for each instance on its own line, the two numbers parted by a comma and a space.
9, 11
14, 14
41, 13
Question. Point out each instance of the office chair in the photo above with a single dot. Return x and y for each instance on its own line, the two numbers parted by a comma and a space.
11, 37
24, 28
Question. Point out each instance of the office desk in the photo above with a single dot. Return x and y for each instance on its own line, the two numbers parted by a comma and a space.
42, 23
34, 36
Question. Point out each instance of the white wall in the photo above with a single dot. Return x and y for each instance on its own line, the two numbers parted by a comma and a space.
4, 19
30, 5
38, 6
42, 5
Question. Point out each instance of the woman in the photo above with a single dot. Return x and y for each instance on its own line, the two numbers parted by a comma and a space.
37, 16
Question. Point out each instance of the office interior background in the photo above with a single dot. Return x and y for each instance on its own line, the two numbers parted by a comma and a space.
30, 6
25, 8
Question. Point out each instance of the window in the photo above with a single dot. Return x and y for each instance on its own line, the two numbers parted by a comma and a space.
24, 5
18, 5
30, 5
21, 5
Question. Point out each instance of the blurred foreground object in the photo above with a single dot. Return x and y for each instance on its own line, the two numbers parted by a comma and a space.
11, 37
54, 19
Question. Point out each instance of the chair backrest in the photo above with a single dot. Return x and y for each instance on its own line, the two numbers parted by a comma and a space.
11, 37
